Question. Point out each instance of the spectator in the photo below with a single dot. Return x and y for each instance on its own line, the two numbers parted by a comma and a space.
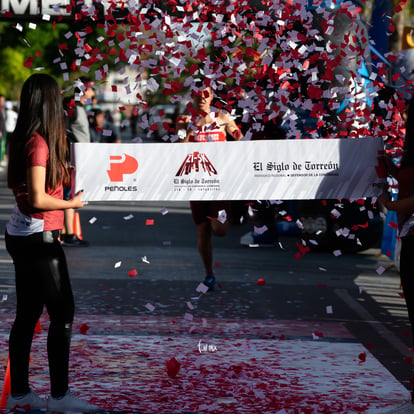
100, 129
77, 131
36, 172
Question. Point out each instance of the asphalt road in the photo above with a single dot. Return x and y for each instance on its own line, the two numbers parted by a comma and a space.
157, 243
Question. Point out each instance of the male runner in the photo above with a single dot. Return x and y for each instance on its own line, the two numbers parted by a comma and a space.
207, 124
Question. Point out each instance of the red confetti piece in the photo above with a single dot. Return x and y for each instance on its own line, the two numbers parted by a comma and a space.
261, 282
362, 357
132, 273
149, 222
393, 225
28, 62
173, 366
83, 329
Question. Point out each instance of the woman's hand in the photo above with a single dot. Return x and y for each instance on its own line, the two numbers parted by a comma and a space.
76, 201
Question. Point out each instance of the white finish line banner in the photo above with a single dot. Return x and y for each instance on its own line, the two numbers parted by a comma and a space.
244, 170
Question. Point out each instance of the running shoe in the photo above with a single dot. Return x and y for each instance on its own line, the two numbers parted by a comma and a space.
210, 281
263, 240
70, 402
72, 240
28, 402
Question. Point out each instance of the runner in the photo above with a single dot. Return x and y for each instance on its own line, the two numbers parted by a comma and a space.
208, 124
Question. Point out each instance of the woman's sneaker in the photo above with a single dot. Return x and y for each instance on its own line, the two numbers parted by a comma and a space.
69, 402
28, 402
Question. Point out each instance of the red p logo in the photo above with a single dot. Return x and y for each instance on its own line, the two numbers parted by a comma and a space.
120, 165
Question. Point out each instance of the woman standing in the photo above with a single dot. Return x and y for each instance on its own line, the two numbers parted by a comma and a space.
36, 173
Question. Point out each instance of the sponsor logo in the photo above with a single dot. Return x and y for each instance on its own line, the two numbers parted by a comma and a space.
121, 165
196, 162
120, 188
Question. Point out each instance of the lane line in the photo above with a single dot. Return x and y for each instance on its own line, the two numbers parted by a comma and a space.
384, 332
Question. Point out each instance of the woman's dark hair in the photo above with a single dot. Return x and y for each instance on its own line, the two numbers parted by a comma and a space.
41, 111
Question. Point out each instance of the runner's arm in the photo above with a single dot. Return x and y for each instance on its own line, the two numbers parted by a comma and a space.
231, 127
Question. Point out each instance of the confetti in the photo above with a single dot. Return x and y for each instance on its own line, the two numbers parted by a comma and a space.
188, 317
202, 288
150, 307
92, 220
260, 230
132, 273
173, 367
149, 222
222, 216
129, 217
362, 357
164, 211
145, 260
261, 282
83, 329
117, 265
380, 270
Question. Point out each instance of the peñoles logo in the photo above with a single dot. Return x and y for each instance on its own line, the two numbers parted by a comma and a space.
120, 165
195, 162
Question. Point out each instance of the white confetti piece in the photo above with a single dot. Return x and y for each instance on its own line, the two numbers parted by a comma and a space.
150, 307
4, 297
329, 310
117, 264
204, 322
202, 288
92, 220
164, 211
322, 269
335, 213
144, 259
260, 230
222, 216
190, 305
299, 224
380, 270
129, 217
188, 317
337, 253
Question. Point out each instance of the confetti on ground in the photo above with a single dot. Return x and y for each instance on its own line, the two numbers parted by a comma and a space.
132, 273
145, 260
226, 375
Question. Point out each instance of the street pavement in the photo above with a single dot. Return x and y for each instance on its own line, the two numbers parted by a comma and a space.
321, 333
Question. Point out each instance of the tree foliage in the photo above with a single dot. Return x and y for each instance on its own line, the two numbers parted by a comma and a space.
12, 72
